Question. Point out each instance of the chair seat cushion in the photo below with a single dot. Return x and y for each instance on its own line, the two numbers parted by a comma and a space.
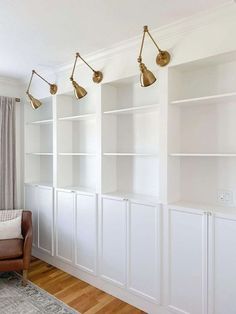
12, 248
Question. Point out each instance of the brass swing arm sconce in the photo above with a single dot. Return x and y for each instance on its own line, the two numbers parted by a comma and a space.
147, 78
35, 103
80, 92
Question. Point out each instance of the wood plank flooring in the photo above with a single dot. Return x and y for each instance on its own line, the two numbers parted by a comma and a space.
76, 293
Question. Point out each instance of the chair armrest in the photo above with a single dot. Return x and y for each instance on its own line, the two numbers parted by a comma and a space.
28, 237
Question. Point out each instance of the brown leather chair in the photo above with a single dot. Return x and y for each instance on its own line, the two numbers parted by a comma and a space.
15, 254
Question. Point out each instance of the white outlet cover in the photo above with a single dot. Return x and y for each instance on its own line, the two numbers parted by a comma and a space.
225, 197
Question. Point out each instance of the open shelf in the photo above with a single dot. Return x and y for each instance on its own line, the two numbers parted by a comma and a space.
77, 171
40, 154
213, 99
76, 154
47, 121
42, 115
136, 175
129, 154
202, 133
132, 196
70, 108
39, 169
80, 189
38, 183
79, 117
201, 155
77, 137
133, 110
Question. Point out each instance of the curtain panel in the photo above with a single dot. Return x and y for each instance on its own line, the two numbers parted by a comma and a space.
8, 181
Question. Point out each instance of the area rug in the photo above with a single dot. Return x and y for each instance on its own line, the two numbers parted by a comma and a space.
16, 299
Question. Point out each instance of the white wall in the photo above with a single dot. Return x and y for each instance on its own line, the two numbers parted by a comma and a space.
13, 88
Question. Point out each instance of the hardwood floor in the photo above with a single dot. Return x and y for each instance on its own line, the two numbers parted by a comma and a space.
76, 293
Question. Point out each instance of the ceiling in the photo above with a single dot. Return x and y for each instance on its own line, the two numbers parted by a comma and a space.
45, 34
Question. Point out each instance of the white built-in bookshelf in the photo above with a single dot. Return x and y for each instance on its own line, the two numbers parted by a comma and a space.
107, 142
202, 131
110, 141
130, 139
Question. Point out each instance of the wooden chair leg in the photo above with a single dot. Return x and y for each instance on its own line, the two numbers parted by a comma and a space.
25, 276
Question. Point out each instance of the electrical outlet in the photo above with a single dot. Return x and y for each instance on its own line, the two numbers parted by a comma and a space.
225, 197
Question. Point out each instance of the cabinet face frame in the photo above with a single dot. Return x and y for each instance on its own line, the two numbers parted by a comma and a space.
205, 257
158, 251
77, 264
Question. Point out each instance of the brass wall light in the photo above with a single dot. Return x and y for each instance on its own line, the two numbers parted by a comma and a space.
35, 103
80, 92
147, 78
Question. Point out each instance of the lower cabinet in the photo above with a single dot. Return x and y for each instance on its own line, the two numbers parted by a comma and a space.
188, 261
86, 232
223, 265
144, 250
113, 240
39, 199
76, 229
130, 246
64, 225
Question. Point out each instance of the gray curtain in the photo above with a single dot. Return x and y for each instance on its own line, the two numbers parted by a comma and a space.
7, 153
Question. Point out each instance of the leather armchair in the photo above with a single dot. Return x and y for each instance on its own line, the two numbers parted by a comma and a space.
15, 254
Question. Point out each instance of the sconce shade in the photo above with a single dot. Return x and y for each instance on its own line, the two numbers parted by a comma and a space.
35, 103
147, 78
79, 91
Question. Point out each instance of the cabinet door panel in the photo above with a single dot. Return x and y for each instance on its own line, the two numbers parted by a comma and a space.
187, 258
86, 232
113, 240
225, 266
65, 225
45, 219
31, 204
144, 250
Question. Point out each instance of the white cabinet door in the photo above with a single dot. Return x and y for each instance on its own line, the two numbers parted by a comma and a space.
187, 261
113, 240
224, 265
45, 218
31, 204
65, 208
144, 250
86, 232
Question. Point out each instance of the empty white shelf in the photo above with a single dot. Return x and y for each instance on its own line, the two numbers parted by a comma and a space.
48, 121
213, 99
40, 154
128, 154
80, 189
133, 109
132, 196
76, 154
79, 117
40, 183
202, 155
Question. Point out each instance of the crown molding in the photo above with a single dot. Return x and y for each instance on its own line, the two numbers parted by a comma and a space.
164, 33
